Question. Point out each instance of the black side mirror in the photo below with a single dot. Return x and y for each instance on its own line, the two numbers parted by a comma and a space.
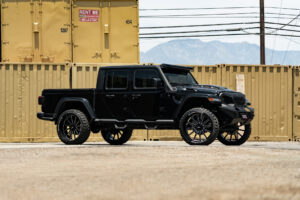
158, 83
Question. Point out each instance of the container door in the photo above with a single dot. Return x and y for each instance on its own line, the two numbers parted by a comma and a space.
296, 107
87, 32
55, 31
16, 31
123, 32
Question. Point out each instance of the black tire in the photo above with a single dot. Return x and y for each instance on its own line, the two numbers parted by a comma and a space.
199, 122
116, 136
237, 137
73, 127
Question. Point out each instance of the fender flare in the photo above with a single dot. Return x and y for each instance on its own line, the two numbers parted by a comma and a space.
189, 97
83, 101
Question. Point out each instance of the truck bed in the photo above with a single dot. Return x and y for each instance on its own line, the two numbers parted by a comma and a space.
52, 97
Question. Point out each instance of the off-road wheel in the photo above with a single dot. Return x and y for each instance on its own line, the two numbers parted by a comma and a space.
235, 137
199, 126
73, 127
116, 136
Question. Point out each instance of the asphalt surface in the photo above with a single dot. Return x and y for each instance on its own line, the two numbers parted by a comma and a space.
150, 170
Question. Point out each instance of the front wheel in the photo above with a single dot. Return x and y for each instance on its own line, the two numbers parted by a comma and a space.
199, 126
235, 137
116, 136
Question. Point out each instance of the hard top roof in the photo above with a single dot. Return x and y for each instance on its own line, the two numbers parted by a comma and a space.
178, 67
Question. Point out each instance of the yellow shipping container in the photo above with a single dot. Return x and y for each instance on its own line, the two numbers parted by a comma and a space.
57, 31
296, 103
20, 86
269, 89
36, 31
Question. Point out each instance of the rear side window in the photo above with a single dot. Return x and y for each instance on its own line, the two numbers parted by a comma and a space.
144, 78
116, 80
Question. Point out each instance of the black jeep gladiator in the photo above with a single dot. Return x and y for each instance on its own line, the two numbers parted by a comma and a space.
148, 97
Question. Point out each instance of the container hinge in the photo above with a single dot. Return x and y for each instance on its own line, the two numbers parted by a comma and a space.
75, 45
256, 138
5, 24
75, 26
97, 55
4, 7
5, 42
5, 60
68, 43
114, 55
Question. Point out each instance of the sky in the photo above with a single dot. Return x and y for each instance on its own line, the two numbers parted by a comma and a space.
272, 42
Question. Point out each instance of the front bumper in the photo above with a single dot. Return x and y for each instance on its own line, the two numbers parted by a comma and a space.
235, 114
45, 116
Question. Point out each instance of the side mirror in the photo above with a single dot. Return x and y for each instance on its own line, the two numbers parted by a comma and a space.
158, 83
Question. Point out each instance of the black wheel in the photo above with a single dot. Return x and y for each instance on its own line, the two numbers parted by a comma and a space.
116, 136
235, 137
199, 126
73, 127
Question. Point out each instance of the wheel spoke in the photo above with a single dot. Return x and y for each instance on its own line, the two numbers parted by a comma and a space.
195, 136
191, 132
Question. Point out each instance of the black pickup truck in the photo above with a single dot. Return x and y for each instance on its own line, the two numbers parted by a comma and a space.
148, 97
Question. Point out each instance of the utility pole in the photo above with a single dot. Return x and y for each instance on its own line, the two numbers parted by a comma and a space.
262, 33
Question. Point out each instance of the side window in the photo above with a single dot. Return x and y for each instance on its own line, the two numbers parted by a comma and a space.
144, 78
116, 80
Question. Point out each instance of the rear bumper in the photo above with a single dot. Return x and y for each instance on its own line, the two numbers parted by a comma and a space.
236, 115
45, 116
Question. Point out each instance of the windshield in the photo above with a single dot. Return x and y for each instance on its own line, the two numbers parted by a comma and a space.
179, 77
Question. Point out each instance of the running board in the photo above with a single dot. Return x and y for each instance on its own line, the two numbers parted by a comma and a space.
135, 121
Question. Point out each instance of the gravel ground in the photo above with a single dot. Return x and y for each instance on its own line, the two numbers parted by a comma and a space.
150, 170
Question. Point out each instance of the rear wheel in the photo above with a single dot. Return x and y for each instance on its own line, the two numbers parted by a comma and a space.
235, 137
73, 127
199, 126
116, 136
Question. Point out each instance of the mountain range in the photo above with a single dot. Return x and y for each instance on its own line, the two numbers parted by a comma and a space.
195, 51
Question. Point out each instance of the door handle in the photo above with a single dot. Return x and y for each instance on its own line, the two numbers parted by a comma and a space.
110, 95
136, 96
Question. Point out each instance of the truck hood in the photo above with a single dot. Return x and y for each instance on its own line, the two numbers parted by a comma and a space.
210, 89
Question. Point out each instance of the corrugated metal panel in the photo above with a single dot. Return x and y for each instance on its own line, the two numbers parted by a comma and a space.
269, 89
109, 34
20, 86
296, 104
36, 31
204, 74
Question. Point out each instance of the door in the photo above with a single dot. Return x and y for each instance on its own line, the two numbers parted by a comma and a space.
87, 31
146, 95
116, 95
296, 106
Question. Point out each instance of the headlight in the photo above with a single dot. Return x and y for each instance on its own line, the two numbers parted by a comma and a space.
248, 103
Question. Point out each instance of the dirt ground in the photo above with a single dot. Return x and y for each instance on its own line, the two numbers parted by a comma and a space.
150, 170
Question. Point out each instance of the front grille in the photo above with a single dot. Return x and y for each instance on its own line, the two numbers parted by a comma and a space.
233, 98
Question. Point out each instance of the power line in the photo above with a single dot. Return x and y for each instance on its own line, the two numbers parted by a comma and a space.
215, 8
213, 35
207, 25
209, 17
215, 14
197, 25
288, 44
217, 30
274, 41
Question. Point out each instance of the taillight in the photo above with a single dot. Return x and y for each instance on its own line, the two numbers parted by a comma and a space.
41, 100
